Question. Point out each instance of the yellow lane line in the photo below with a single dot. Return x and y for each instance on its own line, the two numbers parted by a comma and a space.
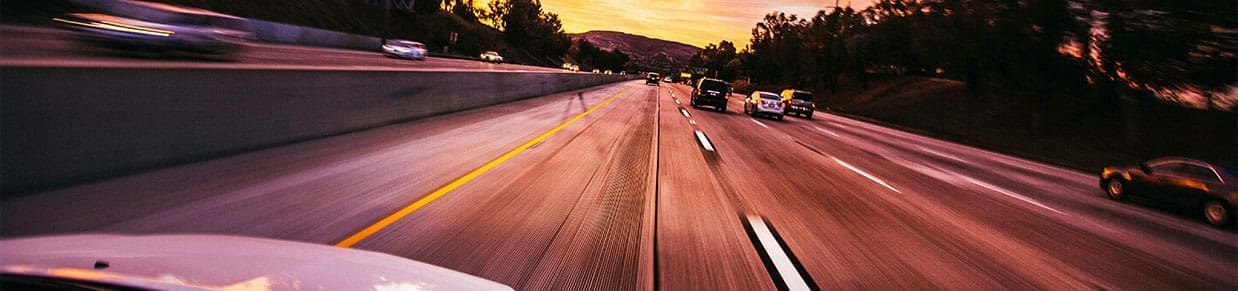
409, 209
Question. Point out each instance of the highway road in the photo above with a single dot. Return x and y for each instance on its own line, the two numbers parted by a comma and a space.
44, 46
624, 186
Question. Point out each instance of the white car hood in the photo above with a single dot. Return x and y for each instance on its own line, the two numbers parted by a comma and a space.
225, 262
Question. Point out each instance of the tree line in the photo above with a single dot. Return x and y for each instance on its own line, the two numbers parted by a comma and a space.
1103, 50
524, 24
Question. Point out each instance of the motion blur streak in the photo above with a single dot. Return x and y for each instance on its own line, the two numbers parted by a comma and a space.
386, 221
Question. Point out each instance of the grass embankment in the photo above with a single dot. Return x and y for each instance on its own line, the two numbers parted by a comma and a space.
1068, 132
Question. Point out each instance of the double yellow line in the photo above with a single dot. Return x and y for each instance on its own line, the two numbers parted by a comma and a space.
409, 209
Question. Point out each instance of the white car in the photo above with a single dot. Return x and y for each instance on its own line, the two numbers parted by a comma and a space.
765, 103
213, 262
405, 49
491, 57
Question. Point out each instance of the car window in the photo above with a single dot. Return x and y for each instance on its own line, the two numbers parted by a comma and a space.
802, 96
764, 95
230, 23
714, 85
1164, 167
141, 13
190, 20
1198, 172
1232, 171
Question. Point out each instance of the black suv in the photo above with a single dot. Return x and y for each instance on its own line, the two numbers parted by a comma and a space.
652, 78
799, 102
711, 92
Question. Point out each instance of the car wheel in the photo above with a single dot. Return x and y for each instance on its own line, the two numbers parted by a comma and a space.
808, 116
780, 117
722, 109
1116, 189
1216, 212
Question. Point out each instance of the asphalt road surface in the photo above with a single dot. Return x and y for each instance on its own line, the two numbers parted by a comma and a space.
627, 187
43, 46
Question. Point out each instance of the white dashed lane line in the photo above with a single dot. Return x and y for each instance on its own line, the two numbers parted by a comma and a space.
1009, 193
865, 174
784, 265
700, 137
825, 131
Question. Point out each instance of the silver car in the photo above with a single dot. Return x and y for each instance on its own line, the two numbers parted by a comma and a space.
405, 49
765, 103
142, 26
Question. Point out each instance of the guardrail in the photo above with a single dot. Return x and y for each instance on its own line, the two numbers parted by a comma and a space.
66, 125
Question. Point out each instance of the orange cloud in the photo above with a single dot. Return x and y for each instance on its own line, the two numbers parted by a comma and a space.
695, 22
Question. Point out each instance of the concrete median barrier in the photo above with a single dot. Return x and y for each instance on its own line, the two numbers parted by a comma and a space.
64, 125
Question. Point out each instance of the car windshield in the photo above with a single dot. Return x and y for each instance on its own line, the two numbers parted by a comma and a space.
714, 85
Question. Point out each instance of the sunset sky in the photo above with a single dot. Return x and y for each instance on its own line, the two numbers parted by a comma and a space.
695, 22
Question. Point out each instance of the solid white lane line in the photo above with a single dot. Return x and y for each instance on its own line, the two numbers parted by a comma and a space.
759, 123
700, 136
685, 113
825, 131
1007, 193
941, 154
865, 174
782, 262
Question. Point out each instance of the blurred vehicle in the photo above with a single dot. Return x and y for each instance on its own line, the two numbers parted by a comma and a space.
799, 102
652, 78
666, 79
405, 49
491, 57
711, 92
1182, 182
596, 71
765, 103
571, 67
608, 72
161, 28
212, 262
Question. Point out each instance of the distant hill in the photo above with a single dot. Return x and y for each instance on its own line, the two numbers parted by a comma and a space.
645, 53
